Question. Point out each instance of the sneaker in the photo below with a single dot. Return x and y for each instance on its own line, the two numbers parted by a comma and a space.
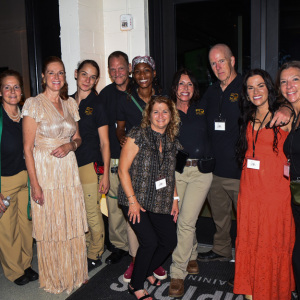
128, 273
160, 273
93, 263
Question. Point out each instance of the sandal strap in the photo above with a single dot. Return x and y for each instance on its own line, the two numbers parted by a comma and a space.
145, 297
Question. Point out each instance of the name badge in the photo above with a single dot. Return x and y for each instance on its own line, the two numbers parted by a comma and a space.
220, 125
253, 164
159, 184
286, 169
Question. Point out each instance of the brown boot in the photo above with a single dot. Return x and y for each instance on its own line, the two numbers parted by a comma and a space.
192, 267
176, 289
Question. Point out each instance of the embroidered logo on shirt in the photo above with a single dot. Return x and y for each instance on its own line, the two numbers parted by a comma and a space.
234, 97
88, 111
199, 111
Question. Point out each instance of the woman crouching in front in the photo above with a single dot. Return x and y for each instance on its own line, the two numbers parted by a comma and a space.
147, 192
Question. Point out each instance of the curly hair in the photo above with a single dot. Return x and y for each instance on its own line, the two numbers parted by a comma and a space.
15, 74
248, 110
175, 82
285, 66
63, 93
93, 64
173, 127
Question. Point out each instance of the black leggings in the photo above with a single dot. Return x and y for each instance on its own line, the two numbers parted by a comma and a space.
157, 237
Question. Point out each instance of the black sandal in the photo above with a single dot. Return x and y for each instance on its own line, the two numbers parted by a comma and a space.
132, 291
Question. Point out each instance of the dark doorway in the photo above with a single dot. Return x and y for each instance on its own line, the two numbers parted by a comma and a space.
182, 32
203, 24
43, 35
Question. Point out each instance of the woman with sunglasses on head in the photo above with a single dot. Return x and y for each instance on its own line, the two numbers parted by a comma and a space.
93, 127
15, 228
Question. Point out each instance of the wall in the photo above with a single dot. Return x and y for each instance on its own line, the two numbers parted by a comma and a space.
90, 29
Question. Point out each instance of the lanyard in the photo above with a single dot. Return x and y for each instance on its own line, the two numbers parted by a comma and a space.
157, 151
220, 105
254, 141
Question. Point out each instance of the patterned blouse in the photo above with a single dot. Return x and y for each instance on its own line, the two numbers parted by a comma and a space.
148, 166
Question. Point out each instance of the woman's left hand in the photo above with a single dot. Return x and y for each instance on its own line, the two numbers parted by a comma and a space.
175, 210
104, 185
62, 150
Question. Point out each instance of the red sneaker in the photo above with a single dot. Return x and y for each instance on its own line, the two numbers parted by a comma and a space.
160, 273
128, 273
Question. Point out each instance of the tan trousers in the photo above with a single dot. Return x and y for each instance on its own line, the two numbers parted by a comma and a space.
192, 187
15, 228
116, 219
95, 236
223, 192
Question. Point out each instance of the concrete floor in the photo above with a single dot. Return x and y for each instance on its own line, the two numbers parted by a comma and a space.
31, 291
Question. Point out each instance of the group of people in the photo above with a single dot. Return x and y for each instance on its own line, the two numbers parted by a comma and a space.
124, 143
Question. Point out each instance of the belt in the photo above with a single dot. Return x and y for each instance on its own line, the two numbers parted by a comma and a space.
191, 163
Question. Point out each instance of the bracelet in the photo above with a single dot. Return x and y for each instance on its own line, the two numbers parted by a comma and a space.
76, 146
130, 196
132, 202
177, 198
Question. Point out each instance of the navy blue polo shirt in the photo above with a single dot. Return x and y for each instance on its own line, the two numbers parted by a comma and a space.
92, 116
193, 135
225, 103
109, 96
128, 111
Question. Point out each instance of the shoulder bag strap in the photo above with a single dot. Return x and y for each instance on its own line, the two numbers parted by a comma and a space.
135, 102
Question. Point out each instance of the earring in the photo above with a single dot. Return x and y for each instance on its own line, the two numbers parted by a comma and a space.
248, 98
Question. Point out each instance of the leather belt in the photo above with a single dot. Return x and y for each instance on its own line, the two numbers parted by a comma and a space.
191, 163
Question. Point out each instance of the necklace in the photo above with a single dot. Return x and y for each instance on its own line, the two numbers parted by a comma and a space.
15, 118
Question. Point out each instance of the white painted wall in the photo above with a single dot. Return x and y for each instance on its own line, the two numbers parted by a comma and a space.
90, 29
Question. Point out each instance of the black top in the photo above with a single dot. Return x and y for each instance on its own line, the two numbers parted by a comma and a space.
92, 116
193, 131
109, 96
291, 149
148, 166
12, 155
129, 112
224, 104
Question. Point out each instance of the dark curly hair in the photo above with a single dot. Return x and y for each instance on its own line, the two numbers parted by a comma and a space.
52, 59
248, 110
15, 74
175, 82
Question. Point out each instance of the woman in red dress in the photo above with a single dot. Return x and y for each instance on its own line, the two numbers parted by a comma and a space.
266, 231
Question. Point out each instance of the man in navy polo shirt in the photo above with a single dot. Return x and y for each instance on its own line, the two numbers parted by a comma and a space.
119, 68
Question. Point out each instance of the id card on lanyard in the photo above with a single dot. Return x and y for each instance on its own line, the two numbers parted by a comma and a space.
253, 162
161, 181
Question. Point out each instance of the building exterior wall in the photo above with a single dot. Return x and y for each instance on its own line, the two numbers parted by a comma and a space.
90, 29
